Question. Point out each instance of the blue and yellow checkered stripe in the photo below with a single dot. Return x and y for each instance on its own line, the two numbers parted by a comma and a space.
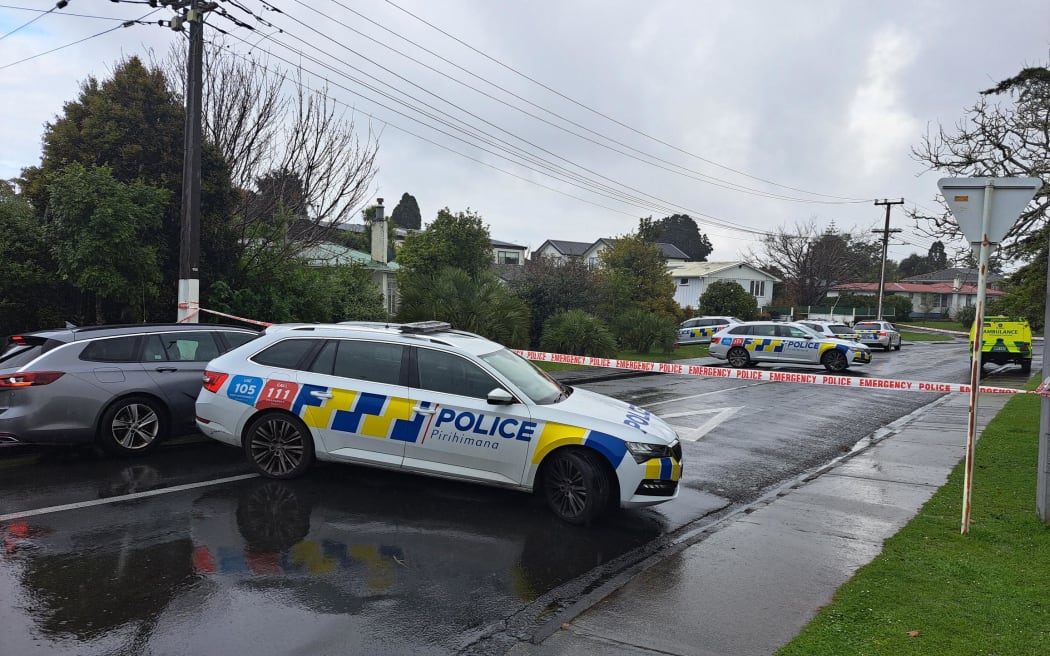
764, 345
705, 331
362, 413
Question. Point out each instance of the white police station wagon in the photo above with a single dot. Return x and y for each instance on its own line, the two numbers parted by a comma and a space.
745, 344
424, 398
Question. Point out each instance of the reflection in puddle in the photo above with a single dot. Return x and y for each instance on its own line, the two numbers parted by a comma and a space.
415, 562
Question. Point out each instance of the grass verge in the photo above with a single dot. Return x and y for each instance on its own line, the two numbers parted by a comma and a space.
933, 591
680, 353
910, 336
941, 325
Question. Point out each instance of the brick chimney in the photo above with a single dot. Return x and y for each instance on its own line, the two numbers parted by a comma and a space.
379, 234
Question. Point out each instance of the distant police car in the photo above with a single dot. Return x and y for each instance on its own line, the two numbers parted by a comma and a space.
428, 399
699, 330
878, 333
832, 329
752, 342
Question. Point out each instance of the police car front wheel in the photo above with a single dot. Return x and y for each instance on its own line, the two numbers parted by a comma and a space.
575, 486
279, 445
835, 361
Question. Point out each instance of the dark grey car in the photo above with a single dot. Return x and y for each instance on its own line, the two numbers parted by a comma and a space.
122, 387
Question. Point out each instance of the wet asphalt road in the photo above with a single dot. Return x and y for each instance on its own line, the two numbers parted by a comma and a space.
182, 553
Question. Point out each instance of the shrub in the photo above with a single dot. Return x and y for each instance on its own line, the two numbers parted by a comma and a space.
577, 333
728, 298
901, 306
641, 331
966, 315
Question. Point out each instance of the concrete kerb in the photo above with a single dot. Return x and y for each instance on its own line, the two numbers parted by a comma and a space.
703, 528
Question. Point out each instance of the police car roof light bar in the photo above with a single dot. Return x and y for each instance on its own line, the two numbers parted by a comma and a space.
425, 327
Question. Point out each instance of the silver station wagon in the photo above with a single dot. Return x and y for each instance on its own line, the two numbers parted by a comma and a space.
123, 388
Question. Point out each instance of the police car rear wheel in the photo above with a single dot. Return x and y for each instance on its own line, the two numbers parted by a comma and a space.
835, 361
576, 487
279, 445
738, 358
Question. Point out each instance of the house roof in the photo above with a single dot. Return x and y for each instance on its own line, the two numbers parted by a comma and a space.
671, 252
700, 269
329, 254
506, 244
569, 248
509, 273
361, 228
949, 276
913, 288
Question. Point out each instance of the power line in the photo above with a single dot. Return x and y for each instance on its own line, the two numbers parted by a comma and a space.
391, 124
684, 171
87, 38
63, 14
487, 137
58, 5
610, 118
602, 189
593, 186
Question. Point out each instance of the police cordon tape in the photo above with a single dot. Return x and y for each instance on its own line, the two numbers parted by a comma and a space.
191, 315
723, 372
772, 376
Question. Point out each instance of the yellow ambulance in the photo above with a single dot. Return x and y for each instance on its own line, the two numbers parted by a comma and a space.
1005, 340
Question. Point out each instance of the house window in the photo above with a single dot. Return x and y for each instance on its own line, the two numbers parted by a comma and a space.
508, 257
683, 281
758, 287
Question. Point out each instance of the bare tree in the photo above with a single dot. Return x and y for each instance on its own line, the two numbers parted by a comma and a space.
808, 260
289, 150
996, 139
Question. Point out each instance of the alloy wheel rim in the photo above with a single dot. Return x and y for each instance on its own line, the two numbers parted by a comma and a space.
135, 426
277, 447
568, 490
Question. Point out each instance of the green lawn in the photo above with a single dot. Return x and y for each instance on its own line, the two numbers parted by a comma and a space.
681, 353
942, 325
910, 336
933, 591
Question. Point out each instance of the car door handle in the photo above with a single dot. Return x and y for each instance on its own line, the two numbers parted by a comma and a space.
167, 370
317, 394
424, 411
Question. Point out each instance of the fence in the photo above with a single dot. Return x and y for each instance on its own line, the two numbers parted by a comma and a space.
828, 313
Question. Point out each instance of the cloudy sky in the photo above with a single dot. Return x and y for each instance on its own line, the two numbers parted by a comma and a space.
748, 116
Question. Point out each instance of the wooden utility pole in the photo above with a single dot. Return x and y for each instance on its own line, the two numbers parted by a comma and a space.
885, 246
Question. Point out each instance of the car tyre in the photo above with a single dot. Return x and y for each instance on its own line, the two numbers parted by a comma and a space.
132, 426
898, 346
279, 445
1026, 367
576, 487
738, 358
835, 361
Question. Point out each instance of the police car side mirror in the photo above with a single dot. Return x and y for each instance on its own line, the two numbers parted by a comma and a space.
500, 396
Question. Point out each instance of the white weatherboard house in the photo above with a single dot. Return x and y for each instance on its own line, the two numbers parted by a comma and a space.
691, 280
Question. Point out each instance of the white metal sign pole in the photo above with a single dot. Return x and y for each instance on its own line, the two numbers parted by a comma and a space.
999, 211
975, 355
